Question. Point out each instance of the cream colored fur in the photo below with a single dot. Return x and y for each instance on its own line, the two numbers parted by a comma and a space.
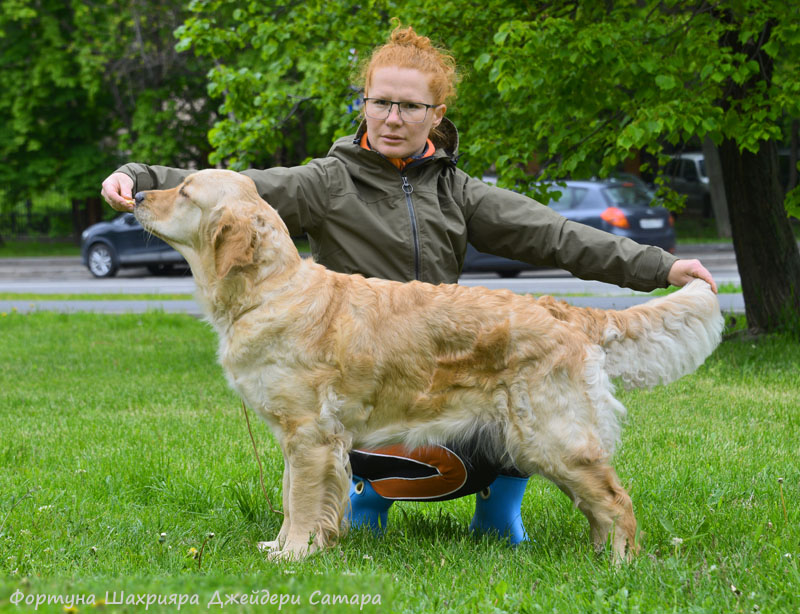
333, 361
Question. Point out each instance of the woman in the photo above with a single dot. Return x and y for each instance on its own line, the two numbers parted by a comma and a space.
390, 202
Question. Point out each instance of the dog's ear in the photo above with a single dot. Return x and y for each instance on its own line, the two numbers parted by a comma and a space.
233, 243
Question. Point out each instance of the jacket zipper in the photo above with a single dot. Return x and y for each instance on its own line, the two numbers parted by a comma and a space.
407, 190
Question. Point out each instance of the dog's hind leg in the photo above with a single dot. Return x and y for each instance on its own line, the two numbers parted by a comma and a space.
596, 491
585, 476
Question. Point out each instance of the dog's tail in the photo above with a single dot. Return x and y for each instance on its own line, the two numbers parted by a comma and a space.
661, 340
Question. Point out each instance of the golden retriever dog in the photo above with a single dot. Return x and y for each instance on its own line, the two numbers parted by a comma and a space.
332, 361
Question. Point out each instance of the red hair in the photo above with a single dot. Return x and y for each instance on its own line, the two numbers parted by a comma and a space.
406, 49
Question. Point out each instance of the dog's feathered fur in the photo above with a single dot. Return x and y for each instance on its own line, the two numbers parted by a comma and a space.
333, 361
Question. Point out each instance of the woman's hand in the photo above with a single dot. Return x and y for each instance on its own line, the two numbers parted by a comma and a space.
117, 191
684, 271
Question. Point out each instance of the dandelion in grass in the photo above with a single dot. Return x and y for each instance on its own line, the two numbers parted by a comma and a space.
192, 553
199, 557
71, 609
162, 538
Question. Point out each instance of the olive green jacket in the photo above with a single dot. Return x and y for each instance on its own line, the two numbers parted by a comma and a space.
363, 215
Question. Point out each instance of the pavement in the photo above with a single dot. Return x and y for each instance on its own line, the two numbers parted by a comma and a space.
67, 275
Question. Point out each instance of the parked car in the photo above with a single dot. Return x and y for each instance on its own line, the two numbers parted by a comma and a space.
481, 262
686, 174
122, 242
619, 207
622, 177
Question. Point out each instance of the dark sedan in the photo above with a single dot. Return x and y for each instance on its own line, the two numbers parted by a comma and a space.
620, 207
122, 242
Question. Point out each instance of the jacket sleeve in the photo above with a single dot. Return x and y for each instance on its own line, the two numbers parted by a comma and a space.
153, 177
300, 194
508, 224
297, 193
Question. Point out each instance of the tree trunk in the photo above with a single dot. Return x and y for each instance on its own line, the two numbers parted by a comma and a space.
765, 247
719, 202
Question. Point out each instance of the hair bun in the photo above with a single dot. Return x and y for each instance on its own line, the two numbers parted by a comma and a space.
407, 37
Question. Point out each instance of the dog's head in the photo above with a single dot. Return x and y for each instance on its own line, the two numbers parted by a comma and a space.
217, 221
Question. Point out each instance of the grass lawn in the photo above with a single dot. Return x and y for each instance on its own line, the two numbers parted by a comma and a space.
116, 429
95, 296
38, 249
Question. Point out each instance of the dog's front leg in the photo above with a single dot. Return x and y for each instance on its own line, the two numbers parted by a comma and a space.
317, 492
278, 542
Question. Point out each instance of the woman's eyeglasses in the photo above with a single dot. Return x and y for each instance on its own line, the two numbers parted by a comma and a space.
412, 112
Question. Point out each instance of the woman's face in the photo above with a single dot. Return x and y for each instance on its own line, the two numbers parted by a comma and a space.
394, 137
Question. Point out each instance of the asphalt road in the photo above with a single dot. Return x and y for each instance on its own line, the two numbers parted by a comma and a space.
69, 276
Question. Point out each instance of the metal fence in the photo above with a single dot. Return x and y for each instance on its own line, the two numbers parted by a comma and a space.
25, 221
46, 223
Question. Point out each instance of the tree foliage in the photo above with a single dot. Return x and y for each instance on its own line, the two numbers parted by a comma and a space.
640, 76
52, 111
573, 88
84, 87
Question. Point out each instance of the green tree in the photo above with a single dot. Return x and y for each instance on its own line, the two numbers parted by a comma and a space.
576, 88
52, 117
84, 87
615, 80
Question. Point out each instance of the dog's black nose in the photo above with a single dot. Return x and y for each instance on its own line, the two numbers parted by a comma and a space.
138, 198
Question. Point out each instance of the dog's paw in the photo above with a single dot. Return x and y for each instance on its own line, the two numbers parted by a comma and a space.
268, 546
291, 552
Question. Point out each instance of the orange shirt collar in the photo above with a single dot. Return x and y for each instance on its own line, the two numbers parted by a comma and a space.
401, 163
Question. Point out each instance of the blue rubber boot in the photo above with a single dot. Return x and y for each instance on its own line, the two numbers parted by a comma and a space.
367, 508
497, 509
